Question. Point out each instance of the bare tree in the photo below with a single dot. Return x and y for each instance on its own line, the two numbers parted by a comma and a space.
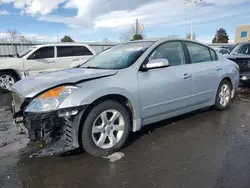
24, 39
105, 40
14, 34
188, 36
3, 39
125, 37
131, 32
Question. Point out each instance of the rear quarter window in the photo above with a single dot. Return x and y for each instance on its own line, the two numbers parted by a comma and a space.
213, 55
83, 50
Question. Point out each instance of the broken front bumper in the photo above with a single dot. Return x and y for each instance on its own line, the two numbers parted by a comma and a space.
57, 130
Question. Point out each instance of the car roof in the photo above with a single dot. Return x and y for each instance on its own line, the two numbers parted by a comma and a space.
61, 44
161, 39
167, 39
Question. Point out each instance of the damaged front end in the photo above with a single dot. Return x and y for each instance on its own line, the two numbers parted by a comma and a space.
56, 130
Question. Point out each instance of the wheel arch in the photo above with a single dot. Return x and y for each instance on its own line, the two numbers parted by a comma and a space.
14, 72
127, 102
223, 78
230, 80
116, 97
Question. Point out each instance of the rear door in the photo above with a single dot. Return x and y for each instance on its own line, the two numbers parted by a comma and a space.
206, 72
41, 60
66, 56
71, 56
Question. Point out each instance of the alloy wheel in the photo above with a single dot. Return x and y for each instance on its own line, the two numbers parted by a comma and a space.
6, 81
108, 129
224, 95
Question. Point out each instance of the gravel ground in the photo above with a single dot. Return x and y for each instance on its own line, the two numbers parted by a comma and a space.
207, 149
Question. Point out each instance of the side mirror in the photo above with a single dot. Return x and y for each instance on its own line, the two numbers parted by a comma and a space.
156, 63
32, 56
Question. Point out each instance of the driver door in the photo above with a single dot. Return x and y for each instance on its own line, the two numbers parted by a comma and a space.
40, 61
168, 90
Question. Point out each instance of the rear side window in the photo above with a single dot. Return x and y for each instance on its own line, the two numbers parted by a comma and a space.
198, 53
82, 51
213, 55
43, 53
68, 51
65, 51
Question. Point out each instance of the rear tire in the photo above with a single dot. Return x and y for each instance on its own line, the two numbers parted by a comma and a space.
106, 128
223, 96
7, 80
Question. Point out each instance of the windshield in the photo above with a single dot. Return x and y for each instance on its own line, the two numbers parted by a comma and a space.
118, 57
25, 52
241, 49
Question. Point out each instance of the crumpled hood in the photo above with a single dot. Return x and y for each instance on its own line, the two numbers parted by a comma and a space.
31, 86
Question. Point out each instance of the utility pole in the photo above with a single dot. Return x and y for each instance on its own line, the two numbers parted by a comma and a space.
193, 3
136, 27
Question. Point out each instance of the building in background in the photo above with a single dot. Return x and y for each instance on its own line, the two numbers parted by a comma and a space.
242, 33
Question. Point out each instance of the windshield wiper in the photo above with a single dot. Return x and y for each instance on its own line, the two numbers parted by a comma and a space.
91, 67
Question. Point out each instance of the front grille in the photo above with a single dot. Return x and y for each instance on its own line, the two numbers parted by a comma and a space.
48, 127
244, 64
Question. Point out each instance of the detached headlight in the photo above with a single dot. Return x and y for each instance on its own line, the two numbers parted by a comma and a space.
50, 100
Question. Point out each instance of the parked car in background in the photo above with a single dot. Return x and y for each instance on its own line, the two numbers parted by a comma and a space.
241, 55
224, 46
223, 51
42, 58
120, 90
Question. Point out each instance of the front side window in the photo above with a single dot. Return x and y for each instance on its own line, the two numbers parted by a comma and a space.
245, 49
172, 51
198, 53
118, 57
25, 52
43, 53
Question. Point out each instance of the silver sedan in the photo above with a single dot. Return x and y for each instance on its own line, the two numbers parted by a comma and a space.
96, 105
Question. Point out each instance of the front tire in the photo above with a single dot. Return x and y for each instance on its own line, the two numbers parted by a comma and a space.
7, 80
106, 128
223, 96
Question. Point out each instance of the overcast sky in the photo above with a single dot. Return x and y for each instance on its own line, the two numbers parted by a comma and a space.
94, 20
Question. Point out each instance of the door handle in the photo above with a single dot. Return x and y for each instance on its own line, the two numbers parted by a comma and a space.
218, 68
187, 76
75, 59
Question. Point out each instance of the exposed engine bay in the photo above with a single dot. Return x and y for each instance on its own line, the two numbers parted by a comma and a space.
55, 129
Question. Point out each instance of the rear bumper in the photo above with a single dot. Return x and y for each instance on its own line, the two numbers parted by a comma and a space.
57, 134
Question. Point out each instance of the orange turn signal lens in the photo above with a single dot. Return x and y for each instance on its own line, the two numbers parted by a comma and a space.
56, 92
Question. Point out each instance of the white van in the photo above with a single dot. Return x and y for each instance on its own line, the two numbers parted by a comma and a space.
42, 58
